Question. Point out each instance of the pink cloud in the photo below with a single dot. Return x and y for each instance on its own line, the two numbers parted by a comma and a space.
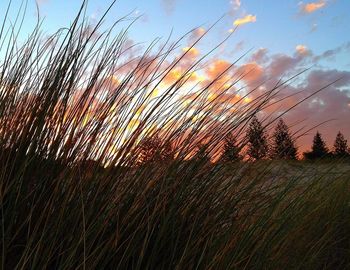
332, 103
251, 72
259, 56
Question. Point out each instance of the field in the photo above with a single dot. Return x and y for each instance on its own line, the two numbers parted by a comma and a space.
181, 215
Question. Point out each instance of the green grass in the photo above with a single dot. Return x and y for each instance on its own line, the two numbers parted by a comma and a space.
73, 195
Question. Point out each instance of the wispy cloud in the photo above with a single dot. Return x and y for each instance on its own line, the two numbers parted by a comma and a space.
313, 27
235, 6
196, 34
247, 19
312, 7
329, 55
259, 56
169, 6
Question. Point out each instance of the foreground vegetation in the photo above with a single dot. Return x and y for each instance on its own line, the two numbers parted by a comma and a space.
77, 193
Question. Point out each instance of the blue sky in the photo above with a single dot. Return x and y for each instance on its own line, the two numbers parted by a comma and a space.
280, 25
284, 37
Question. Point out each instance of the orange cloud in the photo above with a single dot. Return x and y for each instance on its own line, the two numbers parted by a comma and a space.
247, 19
173, 76
216, 68
302, 50
177, 74
217, 76
191, 52
312, 7
251, 71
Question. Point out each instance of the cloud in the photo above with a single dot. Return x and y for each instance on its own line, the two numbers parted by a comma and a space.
196, 34
251, 72
183, 68
169, 6
331, 103
332, 53
260, 56
177, 74
284, 65
191, 52
216, 68
328, 55
312, 7
218, 77
247, 19
313, 27
239, 46
235, 5
302, 50
281, 64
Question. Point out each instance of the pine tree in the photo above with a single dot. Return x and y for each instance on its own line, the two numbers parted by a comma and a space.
152, 149
319, 148
202, 153
283, 144
257, 140
230, 150
340, 146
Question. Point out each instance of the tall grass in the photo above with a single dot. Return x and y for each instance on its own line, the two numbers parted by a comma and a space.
75, 109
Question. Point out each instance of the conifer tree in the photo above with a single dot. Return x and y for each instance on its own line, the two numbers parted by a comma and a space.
257, 140
283, 145
230, 150
202, 153
153, 149
319, 148
340, 146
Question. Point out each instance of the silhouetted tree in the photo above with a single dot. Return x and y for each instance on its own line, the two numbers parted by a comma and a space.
340, 146
257, 140
230, 151
319, 148
202, 153
283, 145
154, 149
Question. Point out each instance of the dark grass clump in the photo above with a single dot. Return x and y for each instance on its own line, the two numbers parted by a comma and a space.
99, 172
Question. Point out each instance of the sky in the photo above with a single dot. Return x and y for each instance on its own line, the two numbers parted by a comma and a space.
281, 38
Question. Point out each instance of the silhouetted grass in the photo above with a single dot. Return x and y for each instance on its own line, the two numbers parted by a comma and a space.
75, 196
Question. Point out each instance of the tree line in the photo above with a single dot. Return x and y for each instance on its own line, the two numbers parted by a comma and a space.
256, 145
281, 145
